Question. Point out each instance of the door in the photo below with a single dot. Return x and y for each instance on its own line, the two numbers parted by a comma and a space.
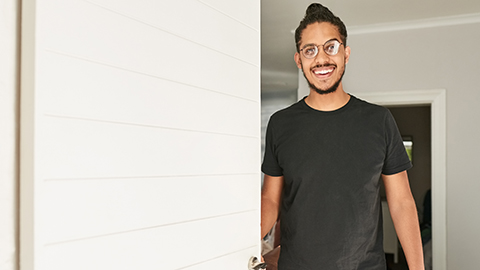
140, 134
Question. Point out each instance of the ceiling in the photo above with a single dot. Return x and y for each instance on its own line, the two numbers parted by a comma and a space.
280, 17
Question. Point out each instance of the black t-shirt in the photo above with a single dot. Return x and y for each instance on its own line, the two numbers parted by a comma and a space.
332, 163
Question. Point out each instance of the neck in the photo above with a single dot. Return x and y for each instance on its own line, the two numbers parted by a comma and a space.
327, 102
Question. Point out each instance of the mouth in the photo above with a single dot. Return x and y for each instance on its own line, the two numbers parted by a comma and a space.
323, 72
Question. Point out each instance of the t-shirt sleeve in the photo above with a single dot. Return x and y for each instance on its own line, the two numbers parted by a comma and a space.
396, 158
270, 164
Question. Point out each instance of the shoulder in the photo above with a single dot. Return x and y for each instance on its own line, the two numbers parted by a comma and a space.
365, 105
289, 112
366, 108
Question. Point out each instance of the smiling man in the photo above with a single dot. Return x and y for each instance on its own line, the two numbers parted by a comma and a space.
324, 158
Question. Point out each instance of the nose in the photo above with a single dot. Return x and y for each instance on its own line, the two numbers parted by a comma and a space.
321, 57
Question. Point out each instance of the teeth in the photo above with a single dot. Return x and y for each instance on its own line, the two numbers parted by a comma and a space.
323, 72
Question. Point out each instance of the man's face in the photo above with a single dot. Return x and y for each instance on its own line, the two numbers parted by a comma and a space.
323, 72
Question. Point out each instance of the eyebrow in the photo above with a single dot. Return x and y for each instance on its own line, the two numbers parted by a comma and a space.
313, 44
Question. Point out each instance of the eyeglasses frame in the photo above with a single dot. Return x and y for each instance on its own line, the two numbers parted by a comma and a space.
323, 47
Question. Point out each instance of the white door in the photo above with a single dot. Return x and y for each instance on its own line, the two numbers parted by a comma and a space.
140, 134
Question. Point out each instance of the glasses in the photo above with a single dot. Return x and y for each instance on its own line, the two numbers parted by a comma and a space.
330, 47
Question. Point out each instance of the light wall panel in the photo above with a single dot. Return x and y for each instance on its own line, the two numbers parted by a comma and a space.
123, 42
141, 134
123, 204
147, 249
105, 93
119, 150
9, 52
216, 33
240, 11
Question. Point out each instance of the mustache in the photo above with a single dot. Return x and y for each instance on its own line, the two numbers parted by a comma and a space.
324, 65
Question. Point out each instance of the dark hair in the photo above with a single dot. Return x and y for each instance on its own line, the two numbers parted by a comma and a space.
319, 13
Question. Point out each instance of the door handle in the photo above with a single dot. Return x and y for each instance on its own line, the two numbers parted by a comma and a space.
255, 264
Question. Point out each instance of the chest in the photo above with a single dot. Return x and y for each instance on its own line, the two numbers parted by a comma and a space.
331, 147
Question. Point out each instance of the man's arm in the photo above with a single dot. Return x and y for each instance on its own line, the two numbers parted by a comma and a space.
404, 215
271, 199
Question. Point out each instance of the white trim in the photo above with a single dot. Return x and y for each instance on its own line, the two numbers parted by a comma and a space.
27, 243
415, 24
437, 100
9, 88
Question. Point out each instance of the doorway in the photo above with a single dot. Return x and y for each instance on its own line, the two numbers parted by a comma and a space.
414, 124
436, 99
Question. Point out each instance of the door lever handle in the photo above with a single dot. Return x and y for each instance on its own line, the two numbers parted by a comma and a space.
255, 264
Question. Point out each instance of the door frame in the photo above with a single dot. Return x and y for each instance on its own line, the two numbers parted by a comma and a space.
436, 98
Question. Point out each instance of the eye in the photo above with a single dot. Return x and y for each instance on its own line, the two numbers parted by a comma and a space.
310, 51
332, 47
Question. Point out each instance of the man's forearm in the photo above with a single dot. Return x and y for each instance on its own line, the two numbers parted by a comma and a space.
406, 223
271, 199
269, 215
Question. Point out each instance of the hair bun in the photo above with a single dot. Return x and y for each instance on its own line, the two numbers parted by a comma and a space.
315, 8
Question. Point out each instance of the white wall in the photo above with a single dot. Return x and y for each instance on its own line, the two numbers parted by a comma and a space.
8, 133
434, 58
141, 134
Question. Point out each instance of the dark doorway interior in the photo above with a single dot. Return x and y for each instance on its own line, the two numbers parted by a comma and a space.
414, 123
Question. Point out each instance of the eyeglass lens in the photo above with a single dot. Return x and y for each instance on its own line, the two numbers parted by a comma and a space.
330, 47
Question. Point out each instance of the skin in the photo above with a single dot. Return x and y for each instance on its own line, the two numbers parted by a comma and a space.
405, 219
400, 200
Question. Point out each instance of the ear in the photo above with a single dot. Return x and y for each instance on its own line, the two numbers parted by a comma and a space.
347, 54
298, 60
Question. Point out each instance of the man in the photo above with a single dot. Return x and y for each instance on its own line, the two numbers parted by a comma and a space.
323, 161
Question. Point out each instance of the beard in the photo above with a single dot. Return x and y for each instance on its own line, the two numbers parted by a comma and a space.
329, 90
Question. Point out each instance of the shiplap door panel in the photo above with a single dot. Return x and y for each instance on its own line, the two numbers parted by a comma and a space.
112, 86
112, 205
189, 244
140, 136
113, 150
125, 39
